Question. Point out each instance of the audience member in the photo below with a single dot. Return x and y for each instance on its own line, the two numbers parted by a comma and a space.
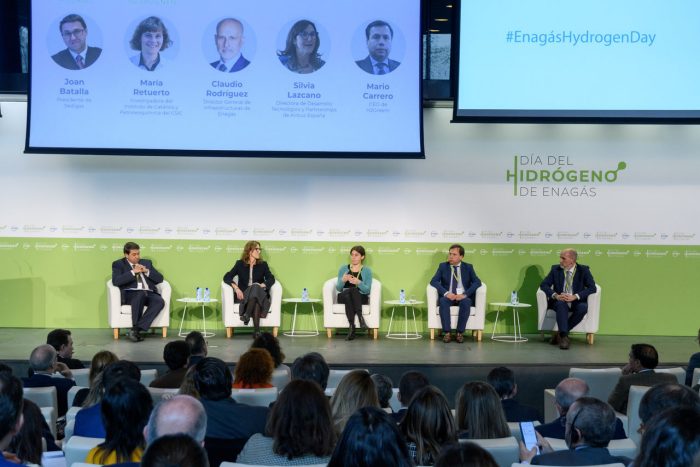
370, 439
671, 439
503, 381
665, 396
299, 429
126, 408
313, 367
176, 355
479, 414
254, 370
590, 424
45, 366
11, 401
61, 340
175, 450
428, 425
465, 455
567, 392
385, 390
26, 444
198, 347
270, 343
409, 384
639, 371
99, 361
355, 390
693, 363
188, 388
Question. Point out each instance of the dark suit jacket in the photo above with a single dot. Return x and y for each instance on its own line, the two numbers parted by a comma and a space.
261, 274
72, 363
124, 279
516, 412
366, 65
582, 456
582, 283
228, 419
620, 394
65, 59
557, 429
470, 281
241, 63
62, 386
170, 380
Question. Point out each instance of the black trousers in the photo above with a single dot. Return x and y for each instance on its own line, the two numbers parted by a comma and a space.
353, 301
140, 299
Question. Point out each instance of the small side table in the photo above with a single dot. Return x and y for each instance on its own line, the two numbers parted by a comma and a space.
189, 300
406, 305
517, 334
296, 302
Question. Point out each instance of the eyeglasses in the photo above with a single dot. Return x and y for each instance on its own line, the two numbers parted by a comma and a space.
308, 35
74, 32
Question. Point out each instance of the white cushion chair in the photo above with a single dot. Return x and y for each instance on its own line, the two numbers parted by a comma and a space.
601, 381
696, 377
394, 402
77, 448
232, 319
547, 319
50, 416
157, 394
617, 447
633, 421
69, 429
72, 393
261, 397
550, 411
81, 376
43, 397
148, 375
505, 451
617, 464
335, 376
119, 315
678, 372
280, 378
475, 321
334, 312
236, 464
72, 412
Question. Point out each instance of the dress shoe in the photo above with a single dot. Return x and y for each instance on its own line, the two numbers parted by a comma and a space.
460, 338
555, 339
133, 336
564, 343
363, 325
351, 335
447, 338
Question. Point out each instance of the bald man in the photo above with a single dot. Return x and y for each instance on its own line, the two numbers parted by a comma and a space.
229, 41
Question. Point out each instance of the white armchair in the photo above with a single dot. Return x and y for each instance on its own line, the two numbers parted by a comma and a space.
232, 319
334, 312
547, 319
475, 321
119, 315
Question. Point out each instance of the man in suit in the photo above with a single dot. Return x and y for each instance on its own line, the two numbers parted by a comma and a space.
78, 54
568, 286
456, 283
48, 372
229, 41
379, 37
590, 425
176, 355
639, 371
137, 279
61, 340
503, 381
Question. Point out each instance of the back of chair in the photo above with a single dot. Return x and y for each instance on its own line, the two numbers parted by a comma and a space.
147, 376
601, 381
678, 372
633, 421
43, 397
77, 448
335, 376
504, 450
72, 393
262, 397
81, 376
50, 416
281, 377
617, 464
157, 394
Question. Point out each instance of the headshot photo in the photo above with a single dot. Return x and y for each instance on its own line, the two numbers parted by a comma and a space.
379, 35
229, 40
300, 53
77, 54
150, 38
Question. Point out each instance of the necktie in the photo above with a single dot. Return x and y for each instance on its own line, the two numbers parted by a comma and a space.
567, 285
455, 279
222, 67
141, 280
381, 70
80, 62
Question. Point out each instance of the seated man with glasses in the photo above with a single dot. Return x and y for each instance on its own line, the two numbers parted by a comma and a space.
77, 55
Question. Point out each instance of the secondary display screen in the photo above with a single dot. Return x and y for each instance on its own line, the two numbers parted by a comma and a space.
216, 77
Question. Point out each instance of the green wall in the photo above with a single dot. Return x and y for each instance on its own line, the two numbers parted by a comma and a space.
49, 282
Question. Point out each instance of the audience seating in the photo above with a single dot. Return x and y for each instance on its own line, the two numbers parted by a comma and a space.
236, 464
601, 381
81, 376
633, 421
43, 397
505, 451
334, 376
68, 430
232, 319
617, 447
550, 411
677, 371
547, 321
394, 402
147, 376
77, 448
71, 394
72, 412
334, 312
696, 377
119, 315
280, 378
50, 416
618, 464
475, 321
262, 397
158, 393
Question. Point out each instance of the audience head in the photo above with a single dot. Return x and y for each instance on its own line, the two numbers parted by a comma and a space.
125, 409
179, 414
270, 343
666, 396
567, 392
429, 424
465, 455
11, 398
197, 343
43, 358
4, 368
61, 340
300, 421
643, 356
254, 367
27, 443
502, 379
671, 439
355, 390
313, 367
117, 371
591, 422
175, 450
188, 387
409, 384
385, 389
99, 362
212, 379
176, 354
371, 438
479, 412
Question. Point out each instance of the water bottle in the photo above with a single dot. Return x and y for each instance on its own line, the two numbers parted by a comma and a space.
207, 297
305, 295
514, 298
199, 294
402, 296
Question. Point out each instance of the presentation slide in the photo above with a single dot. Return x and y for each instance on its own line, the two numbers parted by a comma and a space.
215, 77
622, 59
